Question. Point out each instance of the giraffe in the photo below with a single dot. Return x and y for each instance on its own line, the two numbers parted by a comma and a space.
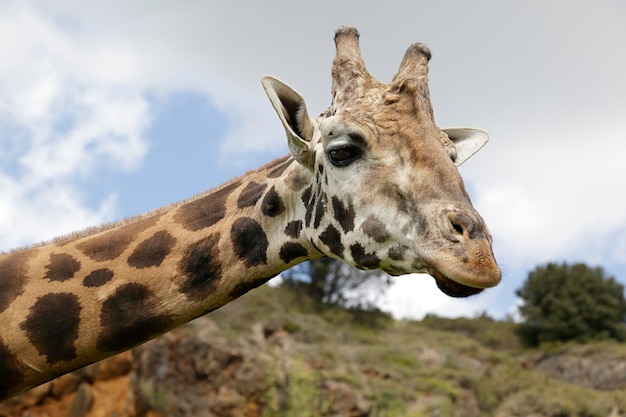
372, 181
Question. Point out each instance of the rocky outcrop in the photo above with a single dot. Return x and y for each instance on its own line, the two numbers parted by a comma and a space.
200, 373
97, 390
604, 373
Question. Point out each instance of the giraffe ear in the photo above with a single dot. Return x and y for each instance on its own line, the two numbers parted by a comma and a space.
467, 141
291, 110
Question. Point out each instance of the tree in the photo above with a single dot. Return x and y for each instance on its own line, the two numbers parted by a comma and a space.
333, 282
571, 302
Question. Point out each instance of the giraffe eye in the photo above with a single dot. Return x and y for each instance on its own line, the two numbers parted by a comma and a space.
344, 155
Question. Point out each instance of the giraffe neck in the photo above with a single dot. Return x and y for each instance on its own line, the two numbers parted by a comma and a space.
79, 300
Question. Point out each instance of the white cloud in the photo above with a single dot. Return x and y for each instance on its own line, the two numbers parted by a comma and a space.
31, 215
64, 117
556, 194
109, 130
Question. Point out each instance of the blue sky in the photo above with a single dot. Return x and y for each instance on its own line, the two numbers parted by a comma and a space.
181, 144
115, 109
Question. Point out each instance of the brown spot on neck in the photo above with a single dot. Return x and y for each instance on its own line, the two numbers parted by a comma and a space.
272, 204
13, 268
61, 267
201, 268
290, 251
98, 277
250, 195
296, 180
332, 238
152, 251
205, 211
249, 241
110, 244
130, 316
52, 326
293, 228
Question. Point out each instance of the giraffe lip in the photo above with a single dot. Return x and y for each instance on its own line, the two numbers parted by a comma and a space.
452, 288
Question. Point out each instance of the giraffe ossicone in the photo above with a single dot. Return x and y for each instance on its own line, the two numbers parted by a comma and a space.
372, 181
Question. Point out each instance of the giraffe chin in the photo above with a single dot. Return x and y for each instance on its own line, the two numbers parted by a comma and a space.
452, 288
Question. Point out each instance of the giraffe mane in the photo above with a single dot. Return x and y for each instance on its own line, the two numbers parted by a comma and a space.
92, 230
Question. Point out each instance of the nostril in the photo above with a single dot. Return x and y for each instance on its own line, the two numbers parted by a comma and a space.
459, 225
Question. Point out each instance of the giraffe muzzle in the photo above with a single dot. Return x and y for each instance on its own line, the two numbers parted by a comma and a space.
464, 263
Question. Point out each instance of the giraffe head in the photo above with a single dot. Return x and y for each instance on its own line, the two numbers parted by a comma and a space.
385, 191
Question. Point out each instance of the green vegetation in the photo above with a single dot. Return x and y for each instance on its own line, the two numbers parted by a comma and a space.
563, 302
437, 366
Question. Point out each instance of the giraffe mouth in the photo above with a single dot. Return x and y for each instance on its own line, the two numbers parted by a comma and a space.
452, 288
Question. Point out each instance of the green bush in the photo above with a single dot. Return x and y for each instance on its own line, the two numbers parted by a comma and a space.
571, 302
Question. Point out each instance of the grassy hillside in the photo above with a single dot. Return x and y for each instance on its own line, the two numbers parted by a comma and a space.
274, 353
444, 367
